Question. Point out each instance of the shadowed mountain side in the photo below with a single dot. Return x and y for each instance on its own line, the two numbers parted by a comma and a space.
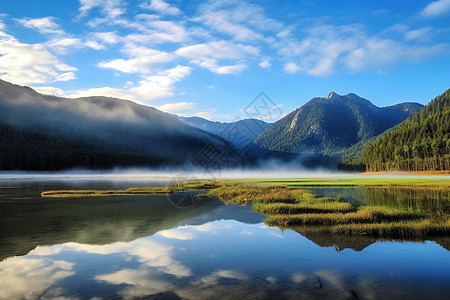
97, 125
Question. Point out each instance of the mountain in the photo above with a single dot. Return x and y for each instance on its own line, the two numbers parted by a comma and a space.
240, 133
324, 127
40, 132
420, 143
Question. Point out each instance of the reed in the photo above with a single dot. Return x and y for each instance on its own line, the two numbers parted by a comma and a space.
135, 191
307, 208
422, 229
363, 215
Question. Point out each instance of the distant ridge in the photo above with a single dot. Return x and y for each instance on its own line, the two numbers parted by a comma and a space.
39, 132
240, 133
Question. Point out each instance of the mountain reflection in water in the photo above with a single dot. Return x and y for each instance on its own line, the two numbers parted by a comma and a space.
145, 247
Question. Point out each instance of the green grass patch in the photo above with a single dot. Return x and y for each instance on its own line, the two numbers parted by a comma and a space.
423, 229
288, 207
364, 215
355, 182
135, 191
305, 208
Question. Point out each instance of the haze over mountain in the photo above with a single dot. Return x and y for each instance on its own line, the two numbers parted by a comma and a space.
420, 143
47, 132
240, 133
331, 124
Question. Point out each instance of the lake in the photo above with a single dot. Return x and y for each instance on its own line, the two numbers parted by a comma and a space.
183, 247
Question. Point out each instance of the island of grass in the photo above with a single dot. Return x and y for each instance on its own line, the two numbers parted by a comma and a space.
136, 191
291, 208
288, 206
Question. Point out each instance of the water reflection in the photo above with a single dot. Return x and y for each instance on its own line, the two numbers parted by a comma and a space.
224, 259
27, 220
415, 199
144, 247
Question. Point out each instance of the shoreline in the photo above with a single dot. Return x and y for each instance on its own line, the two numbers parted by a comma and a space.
430, 173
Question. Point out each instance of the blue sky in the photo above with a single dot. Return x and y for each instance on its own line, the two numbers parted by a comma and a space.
212, 58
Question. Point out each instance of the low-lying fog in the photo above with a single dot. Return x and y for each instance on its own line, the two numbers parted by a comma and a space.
167, 174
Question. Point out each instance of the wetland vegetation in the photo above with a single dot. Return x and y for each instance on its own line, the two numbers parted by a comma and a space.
388, 213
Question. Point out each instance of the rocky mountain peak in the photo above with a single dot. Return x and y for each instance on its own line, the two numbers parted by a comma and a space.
332, 95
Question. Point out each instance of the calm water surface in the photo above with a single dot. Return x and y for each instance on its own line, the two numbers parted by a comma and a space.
179, 247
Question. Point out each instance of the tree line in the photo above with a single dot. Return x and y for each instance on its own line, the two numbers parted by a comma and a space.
420, 143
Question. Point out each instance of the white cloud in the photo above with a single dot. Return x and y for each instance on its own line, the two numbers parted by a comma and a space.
218, 50
107, 37
157, 32
265, 64
145, 60
325, 49
376, 52
64, 45
208, 55
139, 283
149, 88
22, 63
160, 257
177, 234
110, 8
49, 90
234, 69
292, 67
31, 278
422, 34
210, 114
241, 20
161, 6
177, 107
436, 8
94, 45
43, 25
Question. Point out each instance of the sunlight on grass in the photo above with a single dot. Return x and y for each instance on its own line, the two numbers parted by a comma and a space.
288, 206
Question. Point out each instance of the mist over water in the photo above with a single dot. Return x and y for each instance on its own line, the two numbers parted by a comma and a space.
266, 171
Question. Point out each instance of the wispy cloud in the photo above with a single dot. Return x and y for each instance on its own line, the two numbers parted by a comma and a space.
325, 49
241, 20
291, 67
45, 25
436, 8
208, 55
145, 60
148, 88
424, 34
161, 7
109, 8
177, 107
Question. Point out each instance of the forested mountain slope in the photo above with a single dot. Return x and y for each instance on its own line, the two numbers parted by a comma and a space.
40, 132
329, 125
420, 143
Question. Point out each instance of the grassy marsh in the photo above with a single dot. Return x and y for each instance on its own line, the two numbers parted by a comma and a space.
135, 191
289, 206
